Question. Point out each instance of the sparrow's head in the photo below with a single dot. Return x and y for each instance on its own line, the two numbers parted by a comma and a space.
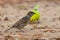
30, 13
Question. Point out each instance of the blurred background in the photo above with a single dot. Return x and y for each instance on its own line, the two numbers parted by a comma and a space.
13, 10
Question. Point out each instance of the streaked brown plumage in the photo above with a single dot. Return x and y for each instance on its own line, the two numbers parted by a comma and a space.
22, 22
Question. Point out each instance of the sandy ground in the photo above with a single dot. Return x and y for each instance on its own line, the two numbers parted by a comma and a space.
47, 29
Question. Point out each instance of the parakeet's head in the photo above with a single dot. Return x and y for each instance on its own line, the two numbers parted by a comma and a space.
35, 9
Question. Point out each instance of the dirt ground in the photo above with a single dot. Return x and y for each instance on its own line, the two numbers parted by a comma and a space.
47, 29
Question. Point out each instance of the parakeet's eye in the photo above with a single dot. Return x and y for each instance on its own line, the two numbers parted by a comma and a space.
30, 13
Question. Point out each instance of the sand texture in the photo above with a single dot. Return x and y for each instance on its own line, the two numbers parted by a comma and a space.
13, 10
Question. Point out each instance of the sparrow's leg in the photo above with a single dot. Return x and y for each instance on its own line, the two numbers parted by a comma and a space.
36, 24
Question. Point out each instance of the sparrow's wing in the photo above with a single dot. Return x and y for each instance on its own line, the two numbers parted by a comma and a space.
21, 23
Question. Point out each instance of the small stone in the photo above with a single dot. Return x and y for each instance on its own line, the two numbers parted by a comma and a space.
57, 38
54, 19
9, 37
5, 19
8, 26
0, 33
47, 5
59, 18
46, 26
44, 18
31, 28
2, 26
55, 14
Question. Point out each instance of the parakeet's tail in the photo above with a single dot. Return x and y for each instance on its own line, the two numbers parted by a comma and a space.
37, 6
